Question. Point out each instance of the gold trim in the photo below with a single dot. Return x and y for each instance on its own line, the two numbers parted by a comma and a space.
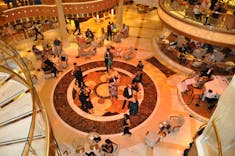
217, 138
36, 101
18, 119
5, 81
15, 98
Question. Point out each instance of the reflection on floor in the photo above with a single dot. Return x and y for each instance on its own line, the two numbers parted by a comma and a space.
142, 30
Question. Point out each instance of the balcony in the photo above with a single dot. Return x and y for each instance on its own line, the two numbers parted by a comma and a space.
179, 16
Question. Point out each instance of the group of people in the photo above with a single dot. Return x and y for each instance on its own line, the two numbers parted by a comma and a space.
111, 28
83, 91
48, 50
48, 66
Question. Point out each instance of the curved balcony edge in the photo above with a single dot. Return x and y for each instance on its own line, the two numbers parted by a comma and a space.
84, 8
203, 34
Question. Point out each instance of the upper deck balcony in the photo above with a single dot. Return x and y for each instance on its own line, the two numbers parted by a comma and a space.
212, 27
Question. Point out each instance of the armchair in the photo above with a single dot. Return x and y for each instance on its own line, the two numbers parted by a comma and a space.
176, 121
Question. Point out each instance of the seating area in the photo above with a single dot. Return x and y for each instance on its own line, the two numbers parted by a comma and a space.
202, 99
197, 55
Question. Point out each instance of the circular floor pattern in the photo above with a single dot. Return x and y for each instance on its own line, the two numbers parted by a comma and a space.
104, 108
68, 115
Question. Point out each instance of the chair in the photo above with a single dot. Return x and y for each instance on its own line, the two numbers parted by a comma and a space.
176, 121
129, 54
100, 41
66, 149
196, 94
48, 74
152, 138
117, 38
63, 61
78, 145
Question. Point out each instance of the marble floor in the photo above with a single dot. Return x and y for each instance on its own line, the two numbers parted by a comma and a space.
144, 28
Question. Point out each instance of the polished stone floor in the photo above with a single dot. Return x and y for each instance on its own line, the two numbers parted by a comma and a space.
144, 28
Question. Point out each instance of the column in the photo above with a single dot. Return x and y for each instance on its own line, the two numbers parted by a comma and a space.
119, 15
62, 25
224, 120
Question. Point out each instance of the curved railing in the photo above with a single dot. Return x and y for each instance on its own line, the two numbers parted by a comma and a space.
79, 9
20, 70
183, 11
220, 153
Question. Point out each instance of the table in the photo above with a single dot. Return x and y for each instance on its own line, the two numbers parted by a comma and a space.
217, 85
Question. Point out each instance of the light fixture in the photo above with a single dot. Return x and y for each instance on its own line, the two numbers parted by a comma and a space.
112, 11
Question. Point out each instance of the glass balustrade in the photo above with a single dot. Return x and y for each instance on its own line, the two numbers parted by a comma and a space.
221, 20
33, 135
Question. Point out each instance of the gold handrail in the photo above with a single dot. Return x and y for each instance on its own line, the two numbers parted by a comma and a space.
36, 101
163, 4
217, 138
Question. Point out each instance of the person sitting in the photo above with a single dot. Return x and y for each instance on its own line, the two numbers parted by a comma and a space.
207, 72
183, 49
36, 52
211, 97
47, 48
108, 146
63, 61
48, 66
90, 154
89, 34
80, 38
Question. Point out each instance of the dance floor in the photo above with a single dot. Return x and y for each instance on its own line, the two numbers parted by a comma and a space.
82, 122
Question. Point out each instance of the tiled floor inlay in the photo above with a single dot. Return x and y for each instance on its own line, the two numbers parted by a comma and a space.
72, 118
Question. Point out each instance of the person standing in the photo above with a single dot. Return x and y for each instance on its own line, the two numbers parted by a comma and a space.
138, 77
126, 125
127, 93
79, 77
110, 61
77, 26
57, 47
37, 32
140, 66
107, 58
134, 104
113, 88
109, 31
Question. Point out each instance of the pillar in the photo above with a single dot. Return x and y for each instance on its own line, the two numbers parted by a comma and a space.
224, 120
62, 25
119, 15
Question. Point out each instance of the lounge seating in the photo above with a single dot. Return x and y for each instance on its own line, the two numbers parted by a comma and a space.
63, 61
218, 56
100, 41
90, 51
117, 38
48, 74
128, 54
175, 121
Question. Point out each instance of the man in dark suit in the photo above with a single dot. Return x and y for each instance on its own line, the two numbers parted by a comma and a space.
77, 26
79, 77
127, 93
